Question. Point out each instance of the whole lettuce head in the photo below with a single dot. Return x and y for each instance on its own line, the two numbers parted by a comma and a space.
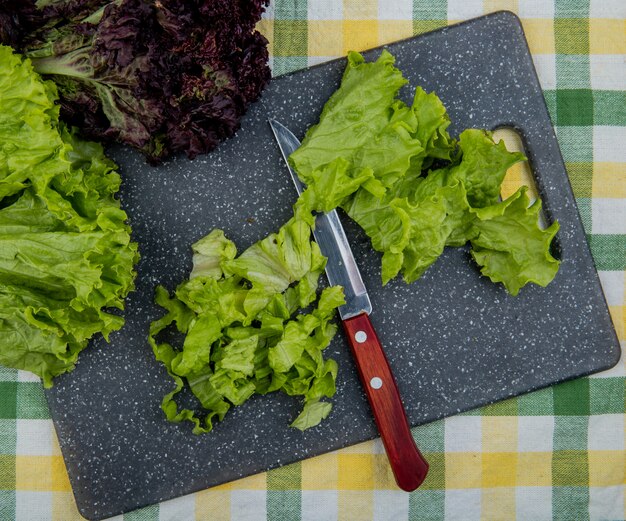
163, 76
66, 255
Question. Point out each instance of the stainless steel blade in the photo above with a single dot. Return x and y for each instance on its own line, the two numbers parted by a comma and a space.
341, 268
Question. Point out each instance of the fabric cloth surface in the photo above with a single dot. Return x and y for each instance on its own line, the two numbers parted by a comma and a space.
556, 454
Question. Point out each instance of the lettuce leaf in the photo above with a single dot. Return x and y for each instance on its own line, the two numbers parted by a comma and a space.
245, 328
414, 190
313, 413
65, 248
509, 245
353, 115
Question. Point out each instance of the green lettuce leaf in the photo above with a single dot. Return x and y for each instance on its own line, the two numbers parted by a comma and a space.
312, 414
65, 249
396, 171
353, 115
209, 253
509, 245
245, 328
483, 166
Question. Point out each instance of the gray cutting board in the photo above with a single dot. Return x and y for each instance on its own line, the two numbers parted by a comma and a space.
454, 339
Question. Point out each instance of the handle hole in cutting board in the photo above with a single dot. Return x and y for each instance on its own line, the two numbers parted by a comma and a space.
519, 174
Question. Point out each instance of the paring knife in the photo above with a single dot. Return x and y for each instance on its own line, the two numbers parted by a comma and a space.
408, 465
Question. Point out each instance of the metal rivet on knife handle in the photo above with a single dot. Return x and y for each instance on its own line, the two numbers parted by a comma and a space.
360, 336
376, 383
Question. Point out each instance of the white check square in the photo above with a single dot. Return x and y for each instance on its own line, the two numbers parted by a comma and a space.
464, 9
27, 376
319, 505
248, 505
608, 144
463, 434
533, 503
34, 506
463, 504
545, 65
390, 504
315, 60
606, 503
607, 71
268, 14
535, 9
608, 216
377, 446
613, 287
607, 9
179, 508
324, 10
606, 432
36, 438
396, 10
535, 433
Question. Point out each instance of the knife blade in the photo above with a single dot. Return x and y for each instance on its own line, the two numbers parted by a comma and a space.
341, 268
407, 463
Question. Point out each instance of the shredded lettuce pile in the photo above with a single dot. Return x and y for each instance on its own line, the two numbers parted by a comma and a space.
396, 171
65, 248
245, 329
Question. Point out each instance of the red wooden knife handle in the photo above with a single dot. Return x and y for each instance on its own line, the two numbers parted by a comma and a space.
408, 465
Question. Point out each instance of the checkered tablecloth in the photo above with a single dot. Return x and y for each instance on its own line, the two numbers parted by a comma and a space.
557, 454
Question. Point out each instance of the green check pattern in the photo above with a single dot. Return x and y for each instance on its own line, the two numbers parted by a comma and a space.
556, 454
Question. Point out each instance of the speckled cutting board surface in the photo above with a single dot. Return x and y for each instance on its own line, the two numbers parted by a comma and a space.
455, 340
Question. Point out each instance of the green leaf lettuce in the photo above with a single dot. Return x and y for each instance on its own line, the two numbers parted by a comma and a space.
397, 172
65, 248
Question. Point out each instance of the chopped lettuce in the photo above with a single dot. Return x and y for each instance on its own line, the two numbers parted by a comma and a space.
245, 328
65, 248
414, 190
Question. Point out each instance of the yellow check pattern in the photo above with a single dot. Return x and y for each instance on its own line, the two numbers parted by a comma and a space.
557, 454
